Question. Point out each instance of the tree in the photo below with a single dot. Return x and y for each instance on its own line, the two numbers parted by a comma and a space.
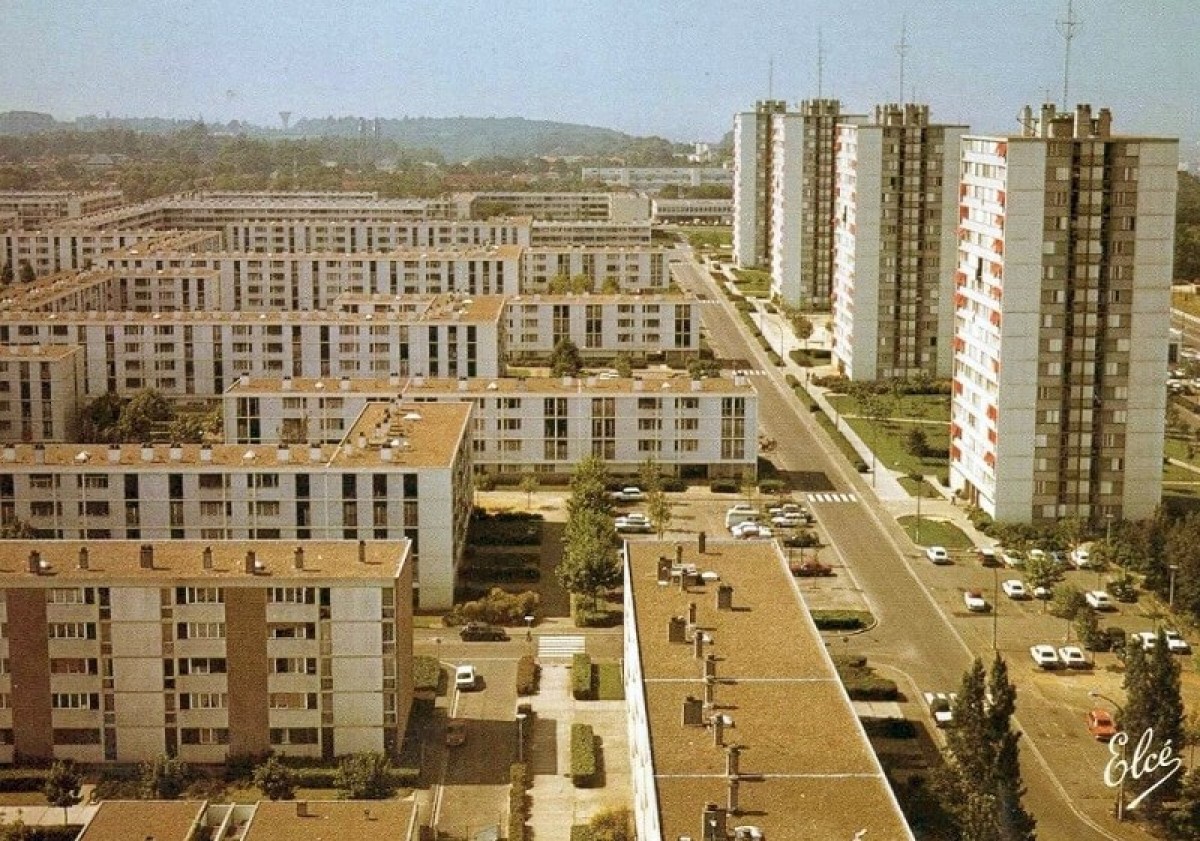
1067, 601
589, 487
916, 443
612, 825
1042, 571
1087, 630
96, 421
1183, 821
565, 360
275, 780
623, 365
144, 411
6, 274
650, 475
980, 785
14, 528
589, 565
26, 273
529, 484
62, 786
364, 776
164, 779
1153, 701
658, 509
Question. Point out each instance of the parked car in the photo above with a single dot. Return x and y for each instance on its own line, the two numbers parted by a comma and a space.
810, 569
465, 677
634, 524
1100, 725
480, 632
456, 732
1043, 592
937, 554
1081, 555
740, 513
1045, 656
789, 521
975, 601
941, 707
1072, 657
988, 557
629, 494
1012, 558
1098, 600
1123, 590
749, 528
1014, 588
1176, 643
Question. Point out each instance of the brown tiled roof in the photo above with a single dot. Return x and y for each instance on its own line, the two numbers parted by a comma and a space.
330, 820
140, 820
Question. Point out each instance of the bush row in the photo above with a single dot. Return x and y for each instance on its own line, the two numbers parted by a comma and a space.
527, 675
491, 481
840, 620
496, 608
861, 682
518, 802
502, 574
581, 677
427, 673
585, 617
22, 779
585, 764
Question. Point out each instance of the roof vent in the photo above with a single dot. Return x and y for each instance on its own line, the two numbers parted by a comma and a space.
283, 453
10, 452
147, 452
35, 562
83, 558
206, 452
146, 556
298, 558
175, 453
412, 416
693, 712
114, 453
206, 558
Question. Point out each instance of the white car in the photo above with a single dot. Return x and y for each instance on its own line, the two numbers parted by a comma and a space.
634, 524
1072, 657
1043, 592
1045, 656
1176, 643
975, 601
788, 521
629, 494
1015, 589
1099, 600
941, 707
1012, 558
1146, 639
1081, 555
937, 554
749, 528
465, 677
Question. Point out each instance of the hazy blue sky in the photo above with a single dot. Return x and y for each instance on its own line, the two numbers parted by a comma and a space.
678, 69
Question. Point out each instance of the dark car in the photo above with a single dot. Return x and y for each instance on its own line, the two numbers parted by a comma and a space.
478, 632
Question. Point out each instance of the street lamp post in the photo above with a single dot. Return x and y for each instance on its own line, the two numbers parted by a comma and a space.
521, 737
1092, 693
995, 604
529, 628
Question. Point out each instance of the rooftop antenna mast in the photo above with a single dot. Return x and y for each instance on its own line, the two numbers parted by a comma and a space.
820, 62
902, 51
771, 77
1066, 28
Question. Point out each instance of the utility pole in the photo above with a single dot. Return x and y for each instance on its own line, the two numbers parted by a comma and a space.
1066, 28
820, 62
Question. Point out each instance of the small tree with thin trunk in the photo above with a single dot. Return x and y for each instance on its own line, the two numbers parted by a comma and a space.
6, 274
529, 484
658, 509
27, 274
365, 776
62, 786
275, 780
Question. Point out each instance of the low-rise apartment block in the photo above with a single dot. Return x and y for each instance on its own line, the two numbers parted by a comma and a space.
40, 386
127, 651
400, 471
636, 270
692, 428
40, 208
654, 178
693, 211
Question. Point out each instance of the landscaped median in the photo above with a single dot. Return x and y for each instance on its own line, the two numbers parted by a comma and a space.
585, 757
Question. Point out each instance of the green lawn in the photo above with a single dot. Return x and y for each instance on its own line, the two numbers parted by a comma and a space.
708, 237
609, 686
927, 490
1186, 301
936, 533
915, 406
753, 282
887, 440
838, 438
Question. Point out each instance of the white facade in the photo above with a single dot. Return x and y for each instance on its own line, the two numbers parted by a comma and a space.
602, 326
752, 149
40, 386
636, 270
1061, 321
657, 177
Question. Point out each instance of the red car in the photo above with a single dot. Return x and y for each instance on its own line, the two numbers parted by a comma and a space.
1100, 725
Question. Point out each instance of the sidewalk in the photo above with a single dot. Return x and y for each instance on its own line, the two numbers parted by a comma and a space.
882, 482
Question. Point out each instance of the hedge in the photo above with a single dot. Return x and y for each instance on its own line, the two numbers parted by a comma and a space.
773, 486
724, 486
22, 779
840, 620
861, 682
581, 677
427, 673
585, 765
527, 675
518, 802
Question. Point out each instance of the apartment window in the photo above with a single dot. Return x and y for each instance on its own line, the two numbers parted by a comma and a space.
204, 735
71, 630
73, 665
291, 595
75, 700
292, 631
199, 595
200, 630
69, 595
293, 700
294, 665
76, 735
294, 736
202, 666
203, 701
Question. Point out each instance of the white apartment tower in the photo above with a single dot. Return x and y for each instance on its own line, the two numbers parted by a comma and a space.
1061, 319
752, 153
895, 242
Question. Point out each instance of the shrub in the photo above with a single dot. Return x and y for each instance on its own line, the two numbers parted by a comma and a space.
791, 380
427, 673
802, 539
944, 479
585, 617
772, 486
840, 620
496, 608
22, 779
581, 677
889, 728
674, 486
861, 682
582, 832
485, 482
518, 803
527, 675
724, 486
584, 762
365, 776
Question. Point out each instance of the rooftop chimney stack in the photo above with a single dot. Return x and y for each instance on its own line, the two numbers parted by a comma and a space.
206, 560
733, 796
146, 556
713, 823
691, 613
35, 562
250, 562
693, 712
302, 808
664, 569
298, 558
83, 558
676, 629
698, 639
724, 597
362, 551
732, 753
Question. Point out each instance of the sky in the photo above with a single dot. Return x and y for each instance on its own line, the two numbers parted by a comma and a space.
676, 69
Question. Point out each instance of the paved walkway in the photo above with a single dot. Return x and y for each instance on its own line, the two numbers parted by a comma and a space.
555, 803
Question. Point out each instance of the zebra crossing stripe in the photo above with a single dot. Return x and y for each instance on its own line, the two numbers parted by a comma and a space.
832, 497
560, 645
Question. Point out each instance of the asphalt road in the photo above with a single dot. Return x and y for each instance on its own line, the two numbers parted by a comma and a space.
915, 638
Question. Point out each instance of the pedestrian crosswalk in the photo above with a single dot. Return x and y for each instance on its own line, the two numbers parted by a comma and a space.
560, 645
751, 372
832, 497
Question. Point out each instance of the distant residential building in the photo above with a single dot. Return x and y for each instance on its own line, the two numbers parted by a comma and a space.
752, 164
126, 651
40, 208
896, 239
693, 211
567, 233
563, 206
40, 386
654, 178
1062, 319
64, 248
633, 270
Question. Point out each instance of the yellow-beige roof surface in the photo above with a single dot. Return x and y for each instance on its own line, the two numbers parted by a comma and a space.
330, 820
806, 768
119, 561
136, 820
